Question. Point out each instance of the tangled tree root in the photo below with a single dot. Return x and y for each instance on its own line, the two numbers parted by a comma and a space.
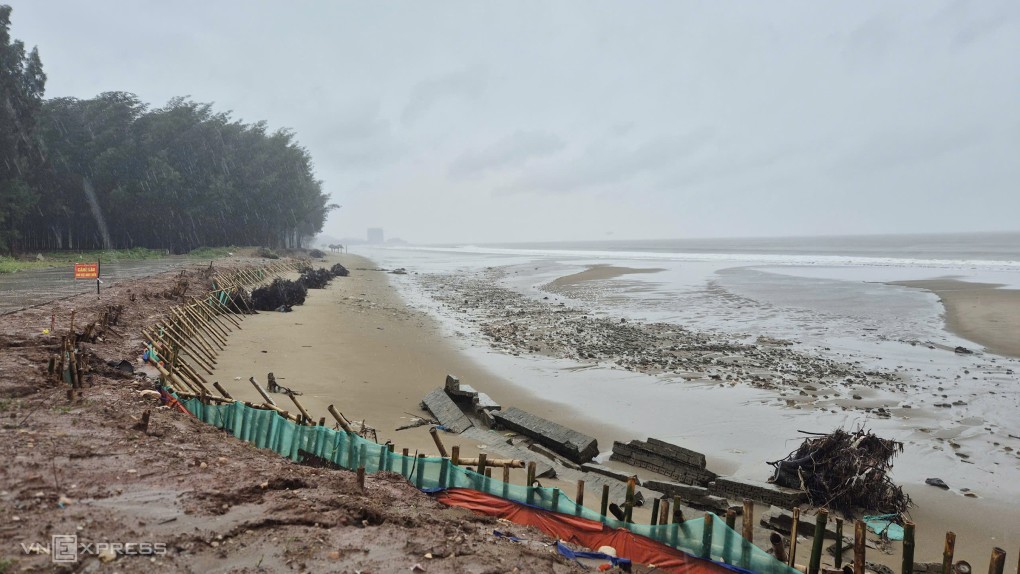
847, 472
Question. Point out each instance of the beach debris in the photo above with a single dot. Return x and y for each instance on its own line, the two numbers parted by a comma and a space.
315, 278
575, 446
279, 293
845, 471
399, 271
679, 463
417, 421
937, 482
446, 411
339, 271
480, 403
963, 351
316, 254
275, 387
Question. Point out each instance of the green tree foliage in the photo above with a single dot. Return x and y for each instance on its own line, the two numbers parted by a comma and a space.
22, 84
109, 172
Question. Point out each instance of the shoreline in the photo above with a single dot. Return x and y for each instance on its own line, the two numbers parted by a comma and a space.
360, 346
980, 312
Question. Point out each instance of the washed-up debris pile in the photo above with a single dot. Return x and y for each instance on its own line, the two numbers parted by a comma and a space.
844, 471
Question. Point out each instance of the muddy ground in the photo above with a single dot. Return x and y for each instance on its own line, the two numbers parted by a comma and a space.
186, 497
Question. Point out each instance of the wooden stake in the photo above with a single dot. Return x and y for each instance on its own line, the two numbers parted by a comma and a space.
839, 543
265, 395
860, 539
947, 553
998, 561
221, 390
439, 442
579, 497
604, 506
778, 549
481, 463
361, 477
628, 509
748, 520
304, 413
793, 537
340, 420
655, 512
678, 514
908, 548
706, 537
455, 455
816, 545
664, 511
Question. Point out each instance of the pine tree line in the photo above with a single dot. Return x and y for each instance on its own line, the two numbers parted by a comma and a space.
110, 172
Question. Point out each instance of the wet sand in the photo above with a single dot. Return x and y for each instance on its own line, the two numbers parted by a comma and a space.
359, 346
598, 273
979, 312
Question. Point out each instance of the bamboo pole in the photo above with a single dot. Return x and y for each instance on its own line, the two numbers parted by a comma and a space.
748, 520
908, 548
860, 538
604, 505
706, 537
192, 344
481, 463
213, 302
210, 328
339, 419
512, 463
947, 553
258, 387
201, 308
677, 512
793, 537
778, 549
455, 455
196, 334
998, 561
664, 511
579, 497
304, 413
628, 510
839, 543
439, 442
166, 335
816, 545
223, 391
655, 513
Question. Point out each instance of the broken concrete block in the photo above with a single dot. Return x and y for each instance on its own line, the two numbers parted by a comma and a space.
757, 491
569, 443
446, 411
678, 463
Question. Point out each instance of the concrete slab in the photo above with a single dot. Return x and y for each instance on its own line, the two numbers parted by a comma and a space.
575, 446
446, 411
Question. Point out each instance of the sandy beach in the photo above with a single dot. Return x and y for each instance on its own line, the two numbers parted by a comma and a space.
980, 312
360, 346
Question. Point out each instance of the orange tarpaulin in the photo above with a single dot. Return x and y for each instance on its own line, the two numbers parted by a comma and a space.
582, 531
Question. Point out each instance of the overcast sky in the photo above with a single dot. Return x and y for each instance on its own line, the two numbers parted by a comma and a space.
517, 121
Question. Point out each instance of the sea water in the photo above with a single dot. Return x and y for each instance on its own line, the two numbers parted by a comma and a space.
831, 296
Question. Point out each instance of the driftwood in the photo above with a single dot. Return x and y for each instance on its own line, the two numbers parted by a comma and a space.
844, 471
280, 294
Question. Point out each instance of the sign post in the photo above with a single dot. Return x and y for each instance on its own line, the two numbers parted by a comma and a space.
88, 271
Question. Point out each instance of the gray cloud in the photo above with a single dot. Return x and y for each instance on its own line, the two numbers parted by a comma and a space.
511, 151
650, 119
612, 164
429, 93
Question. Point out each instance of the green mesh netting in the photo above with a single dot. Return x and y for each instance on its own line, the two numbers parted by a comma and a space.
267, 429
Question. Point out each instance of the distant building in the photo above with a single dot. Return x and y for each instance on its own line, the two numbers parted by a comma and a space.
375, 235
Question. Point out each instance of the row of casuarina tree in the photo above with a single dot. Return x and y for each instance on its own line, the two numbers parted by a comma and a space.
111, 172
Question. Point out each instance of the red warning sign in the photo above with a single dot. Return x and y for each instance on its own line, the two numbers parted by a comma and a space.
86, 271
